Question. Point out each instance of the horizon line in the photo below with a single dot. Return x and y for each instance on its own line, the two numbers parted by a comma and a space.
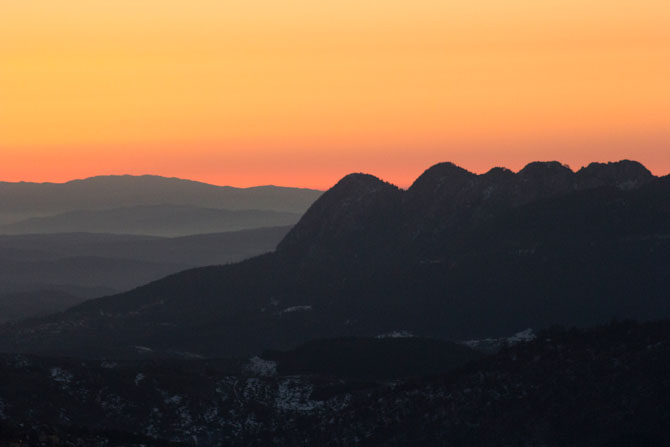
271, 185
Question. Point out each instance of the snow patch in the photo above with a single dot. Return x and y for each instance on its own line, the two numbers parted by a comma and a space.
60, 375
112, 403
494, 344
143, 349
173, 400
296, 309
211, 414
294, 395
21, 362
525, 335
138, 378
396, 334
261, 367
188, 355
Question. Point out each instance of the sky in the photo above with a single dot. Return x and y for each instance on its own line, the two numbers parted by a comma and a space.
300, 93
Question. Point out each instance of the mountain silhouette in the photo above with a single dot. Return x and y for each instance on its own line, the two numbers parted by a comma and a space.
456, 256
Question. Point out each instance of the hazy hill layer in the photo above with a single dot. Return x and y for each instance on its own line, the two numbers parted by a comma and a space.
23, 200
49, 272
17, 305
457, 256
199, 249
156, 220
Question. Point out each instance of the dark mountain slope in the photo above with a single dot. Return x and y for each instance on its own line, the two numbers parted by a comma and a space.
485, 255
624, 175
446, 199
381, 358
355, 220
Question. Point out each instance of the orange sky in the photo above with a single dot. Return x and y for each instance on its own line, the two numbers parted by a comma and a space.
299, 92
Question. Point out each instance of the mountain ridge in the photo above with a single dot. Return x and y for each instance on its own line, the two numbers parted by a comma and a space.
22, 200
458, 261
103, 177
445, 194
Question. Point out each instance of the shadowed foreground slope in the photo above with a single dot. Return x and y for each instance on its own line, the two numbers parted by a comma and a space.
602, 387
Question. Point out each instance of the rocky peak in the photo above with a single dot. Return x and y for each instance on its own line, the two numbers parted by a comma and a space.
441, 178
499, 174
360, 207
354, 205
358, 184
543, 179
545, 173
439, 189
624, 174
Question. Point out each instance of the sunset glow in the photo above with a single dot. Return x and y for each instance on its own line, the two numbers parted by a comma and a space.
301, 92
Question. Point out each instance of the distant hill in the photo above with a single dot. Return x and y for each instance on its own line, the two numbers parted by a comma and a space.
456, 256
24, 200
157, 220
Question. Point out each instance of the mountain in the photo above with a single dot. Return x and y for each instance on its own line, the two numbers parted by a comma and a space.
456, 256
155, 220
24, 200
605, 386
45, 273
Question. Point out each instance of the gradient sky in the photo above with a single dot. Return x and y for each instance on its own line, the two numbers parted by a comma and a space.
302, 92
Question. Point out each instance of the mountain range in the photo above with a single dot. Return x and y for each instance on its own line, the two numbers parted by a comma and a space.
455, 256
146, 205
64, 243
25, 199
